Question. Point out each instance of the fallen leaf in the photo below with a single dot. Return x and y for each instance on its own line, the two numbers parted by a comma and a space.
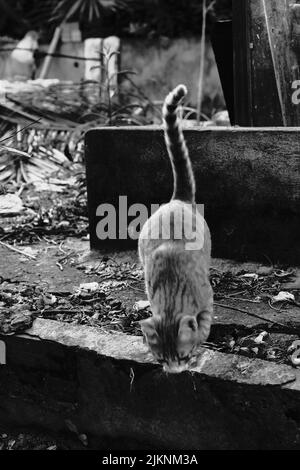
283, 297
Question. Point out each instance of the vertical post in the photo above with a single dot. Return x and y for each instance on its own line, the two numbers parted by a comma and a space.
2, 353
51, 50
281, 18
266, 62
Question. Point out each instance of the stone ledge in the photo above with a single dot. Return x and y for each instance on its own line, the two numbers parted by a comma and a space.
248, 180
110, 388
121, 347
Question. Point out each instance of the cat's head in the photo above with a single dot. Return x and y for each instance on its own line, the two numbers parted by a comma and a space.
173, 345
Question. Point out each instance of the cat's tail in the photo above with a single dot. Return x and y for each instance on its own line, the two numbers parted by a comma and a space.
184, 182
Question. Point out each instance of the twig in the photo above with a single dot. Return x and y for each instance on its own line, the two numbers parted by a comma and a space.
66, 256
240, 299
228, 307
17, 250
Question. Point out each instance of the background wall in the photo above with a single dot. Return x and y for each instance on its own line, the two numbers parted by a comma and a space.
160, 64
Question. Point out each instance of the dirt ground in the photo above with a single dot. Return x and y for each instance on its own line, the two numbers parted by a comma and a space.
67, 282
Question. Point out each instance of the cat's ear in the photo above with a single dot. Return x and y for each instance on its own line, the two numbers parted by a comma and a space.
187, 328
149, 330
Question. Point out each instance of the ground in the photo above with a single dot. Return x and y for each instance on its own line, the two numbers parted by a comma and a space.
54, 275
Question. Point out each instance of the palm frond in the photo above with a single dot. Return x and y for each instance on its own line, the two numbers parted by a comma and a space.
65, 9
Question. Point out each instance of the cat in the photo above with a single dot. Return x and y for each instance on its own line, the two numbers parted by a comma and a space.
176, 269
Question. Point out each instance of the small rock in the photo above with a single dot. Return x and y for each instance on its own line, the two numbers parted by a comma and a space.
49, 299
10, 205
261, 337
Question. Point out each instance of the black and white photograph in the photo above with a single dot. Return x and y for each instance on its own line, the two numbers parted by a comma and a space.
149, 229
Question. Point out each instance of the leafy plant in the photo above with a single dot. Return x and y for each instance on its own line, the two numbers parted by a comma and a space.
91, 9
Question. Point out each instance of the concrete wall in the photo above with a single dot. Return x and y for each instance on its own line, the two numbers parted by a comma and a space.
161, 65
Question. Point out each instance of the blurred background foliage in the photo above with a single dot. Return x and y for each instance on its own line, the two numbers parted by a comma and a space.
133, 18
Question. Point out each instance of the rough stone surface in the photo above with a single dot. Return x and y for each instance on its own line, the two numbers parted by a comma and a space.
248, 180
60, 374
122, 347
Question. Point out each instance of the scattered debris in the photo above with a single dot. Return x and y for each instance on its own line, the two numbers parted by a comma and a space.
15, 319
35, 440
48, 214
294, 351
283, 297
261, 337
250, 276
83, 438
100, 298
73, 429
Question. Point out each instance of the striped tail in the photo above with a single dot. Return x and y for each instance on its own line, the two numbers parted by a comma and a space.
184, 182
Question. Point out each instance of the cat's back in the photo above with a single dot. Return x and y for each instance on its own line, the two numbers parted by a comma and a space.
175, 226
